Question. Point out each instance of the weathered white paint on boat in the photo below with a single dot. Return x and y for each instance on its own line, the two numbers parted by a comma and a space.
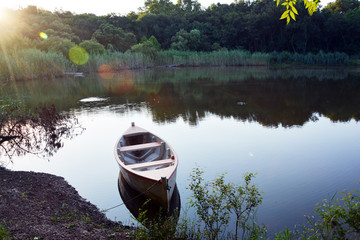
147, 163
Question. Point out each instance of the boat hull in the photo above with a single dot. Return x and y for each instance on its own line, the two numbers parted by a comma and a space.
161, 193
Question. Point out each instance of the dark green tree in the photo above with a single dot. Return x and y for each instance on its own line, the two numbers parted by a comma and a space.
180, 41
147, 46
117, 37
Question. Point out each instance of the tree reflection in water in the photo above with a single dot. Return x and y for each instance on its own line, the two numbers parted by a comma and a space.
39, 132
270, 102
272, 97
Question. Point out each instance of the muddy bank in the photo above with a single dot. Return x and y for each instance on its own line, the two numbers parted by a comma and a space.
44, 206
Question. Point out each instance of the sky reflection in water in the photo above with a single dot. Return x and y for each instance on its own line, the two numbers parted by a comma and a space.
283, 130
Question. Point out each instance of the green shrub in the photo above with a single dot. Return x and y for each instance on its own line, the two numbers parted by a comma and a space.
335, 219
55, 44
147, 47
216, 201
92, 47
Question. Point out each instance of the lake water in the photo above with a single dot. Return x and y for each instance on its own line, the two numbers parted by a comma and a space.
298, 129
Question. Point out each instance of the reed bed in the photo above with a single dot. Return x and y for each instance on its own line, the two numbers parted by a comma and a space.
320, 58
118, 61
32, 64
216, 58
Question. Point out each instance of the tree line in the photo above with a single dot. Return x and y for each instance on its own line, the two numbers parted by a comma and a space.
254, 26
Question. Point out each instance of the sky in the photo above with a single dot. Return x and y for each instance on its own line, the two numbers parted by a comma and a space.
103, 7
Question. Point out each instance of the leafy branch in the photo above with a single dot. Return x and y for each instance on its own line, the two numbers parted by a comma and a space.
216, 201
291, 11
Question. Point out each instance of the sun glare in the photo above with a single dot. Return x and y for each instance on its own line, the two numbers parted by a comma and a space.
1, 13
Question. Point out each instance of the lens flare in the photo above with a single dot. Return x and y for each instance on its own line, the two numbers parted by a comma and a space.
251, 154
78, 55
106, 71
43, 35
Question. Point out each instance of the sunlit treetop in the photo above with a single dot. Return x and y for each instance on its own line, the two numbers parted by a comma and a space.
341, 6
291, 12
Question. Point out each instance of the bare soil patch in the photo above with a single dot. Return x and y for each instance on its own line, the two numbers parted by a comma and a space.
44, 206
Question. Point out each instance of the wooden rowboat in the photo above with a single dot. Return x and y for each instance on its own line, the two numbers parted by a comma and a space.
148, 164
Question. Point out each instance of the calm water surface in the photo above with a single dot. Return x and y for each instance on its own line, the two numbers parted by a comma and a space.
297, 128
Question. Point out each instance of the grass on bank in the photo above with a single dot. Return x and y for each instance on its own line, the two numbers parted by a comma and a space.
35, 64
4, 234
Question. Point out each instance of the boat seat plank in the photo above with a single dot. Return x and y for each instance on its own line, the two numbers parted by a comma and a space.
151, 164
139, 147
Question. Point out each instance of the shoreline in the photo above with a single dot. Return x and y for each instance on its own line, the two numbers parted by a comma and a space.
44, 206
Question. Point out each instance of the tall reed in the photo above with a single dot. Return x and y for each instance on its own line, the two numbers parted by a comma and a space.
320, 58
118, 61
216, 58
32, 64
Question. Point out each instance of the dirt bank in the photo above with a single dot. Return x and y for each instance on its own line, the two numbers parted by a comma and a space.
43, 206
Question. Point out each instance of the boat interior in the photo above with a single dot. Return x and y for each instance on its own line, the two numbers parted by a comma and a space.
137, 140
142, 148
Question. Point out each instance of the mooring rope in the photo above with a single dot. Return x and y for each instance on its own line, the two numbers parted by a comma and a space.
132, 199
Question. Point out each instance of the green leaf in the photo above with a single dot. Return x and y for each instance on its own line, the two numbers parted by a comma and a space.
294, 10
292, 16
285, 15
287, 20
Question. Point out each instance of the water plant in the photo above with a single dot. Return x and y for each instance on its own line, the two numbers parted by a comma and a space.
161, 225
217, 200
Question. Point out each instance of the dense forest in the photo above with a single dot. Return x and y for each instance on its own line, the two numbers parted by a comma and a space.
243, 27
249, 25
